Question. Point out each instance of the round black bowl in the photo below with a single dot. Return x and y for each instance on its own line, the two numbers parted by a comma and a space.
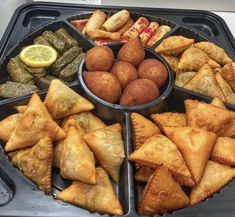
165, 90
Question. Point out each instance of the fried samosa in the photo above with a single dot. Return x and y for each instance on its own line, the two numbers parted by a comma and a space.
183, 78
192, 59
77, 162
159, 150
214, 52
172, 61
204, 82
143, 129
169, 119
218, 102
226, 88
162, 194
215, 177
207, 116
143, 174
224, 151
228, 72
174, 45
96, 198
34, 124
36, 163
8, 125
88, 121
195, 145
62, 101
108, 148
21, 108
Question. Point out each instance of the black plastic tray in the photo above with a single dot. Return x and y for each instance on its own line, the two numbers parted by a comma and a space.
18, 195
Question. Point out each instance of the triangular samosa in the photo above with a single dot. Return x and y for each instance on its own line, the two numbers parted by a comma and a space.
62, 101
36, 163
77, 162
169, 119
204, 82
162, 194
108, 148
96, 198
215, 177
8, 125
224, 151
195, 145
207, 116
159, 150
88, 121
34, 124
143, 129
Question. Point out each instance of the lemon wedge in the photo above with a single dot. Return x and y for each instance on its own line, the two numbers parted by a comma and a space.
38, 55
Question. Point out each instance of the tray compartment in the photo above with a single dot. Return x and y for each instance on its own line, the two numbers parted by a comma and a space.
86, 45
122, 189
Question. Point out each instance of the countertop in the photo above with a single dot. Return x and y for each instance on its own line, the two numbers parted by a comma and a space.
225, 8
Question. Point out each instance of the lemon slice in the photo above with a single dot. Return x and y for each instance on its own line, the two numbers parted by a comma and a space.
38, 55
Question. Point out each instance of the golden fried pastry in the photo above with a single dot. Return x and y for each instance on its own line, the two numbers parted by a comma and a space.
218, 102
228, 72
143, 174
162, 194
77, 162
215, 177
174, 45
224, 151
214, 52
36, 163
207, 116
195, 145
204, 82
34, 124
107, 146
226, 88
96, 198
8, 125
143, 129
192, 59
183, 78
169, 119
62, 101
184, 181
21, 108
213, 64
159, 150
172, 61
88, 121
57, 150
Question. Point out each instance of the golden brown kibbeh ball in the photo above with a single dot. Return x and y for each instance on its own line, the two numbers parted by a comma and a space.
99, 58
153, 70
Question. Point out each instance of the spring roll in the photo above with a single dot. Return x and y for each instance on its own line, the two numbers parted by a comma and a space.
95, 22
56, 41
14, 89
79, 24
162, 30
69, 40
148, 32
137, 28
66, 58
98, 34
69, 72
18, 73
116, 21
126, 27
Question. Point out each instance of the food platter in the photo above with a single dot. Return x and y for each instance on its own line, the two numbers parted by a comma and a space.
18, 195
